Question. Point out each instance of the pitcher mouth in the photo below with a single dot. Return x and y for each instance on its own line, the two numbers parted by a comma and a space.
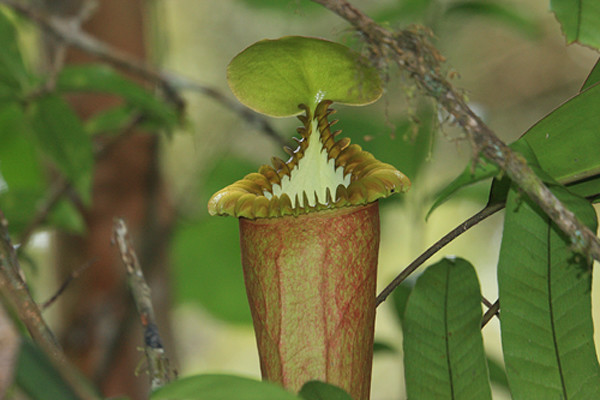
321, 174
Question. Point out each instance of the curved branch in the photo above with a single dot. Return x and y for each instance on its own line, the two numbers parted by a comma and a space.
158, 363
437, 246
413, 52
14, 289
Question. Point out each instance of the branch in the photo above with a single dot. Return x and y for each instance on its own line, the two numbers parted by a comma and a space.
437, 246
158, 363
72, 276
494, 309
17, 293
413, 52
14, 289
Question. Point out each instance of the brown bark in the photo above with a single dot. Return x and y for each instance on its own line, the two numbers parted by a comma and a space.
101, 333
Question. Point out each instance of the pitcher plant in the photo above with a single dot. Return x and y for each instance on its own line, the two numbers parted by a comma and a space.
309, 226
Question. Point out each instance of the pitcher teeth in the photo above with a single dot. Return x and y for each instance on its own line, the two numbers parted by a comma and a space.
285, 204
269, 173
328, 200
280, 166
305, 201
365, 178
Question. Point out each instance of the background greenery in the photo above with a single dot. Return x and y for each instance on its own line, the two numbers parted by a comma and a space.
510, 58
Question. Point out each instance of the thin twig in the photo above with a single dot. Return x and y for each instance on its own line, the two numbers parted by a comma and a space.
72, 276
489, 314
437, 246
15, 291
251, 117
158, 364
486, 302
413, 53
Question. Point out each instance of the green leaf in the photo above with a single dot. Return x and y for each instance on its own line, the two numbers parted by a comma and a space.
60, 135
274, 76
19, 163
103, 79
400, 298
443, 347
22, 181
66, 217
111, 120
19, 206
580, 20
482, 171
566, 141
221, 387
588, 188
565, 144
497, 373
316, 390
545, 297
38, 378
114, 120
383, 347
13, 74
499, 190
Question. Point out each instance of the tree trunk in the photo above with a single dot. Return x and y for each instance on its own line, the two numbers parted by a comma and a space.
101, 332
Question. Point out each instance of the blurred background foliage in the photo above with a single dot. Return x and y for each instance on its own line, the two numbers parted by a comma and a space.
509, 56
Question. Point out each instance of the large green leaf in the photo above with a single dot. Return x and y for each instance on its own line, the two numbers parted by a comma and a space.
566, 141
274, 76
221, 387
38, 378
101, 78
443, 347
19, 164
22, 182
545, 297
497, 373
469, 176
400, 297
580, 20
316, 390
116, 119
564, 144
60, 135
